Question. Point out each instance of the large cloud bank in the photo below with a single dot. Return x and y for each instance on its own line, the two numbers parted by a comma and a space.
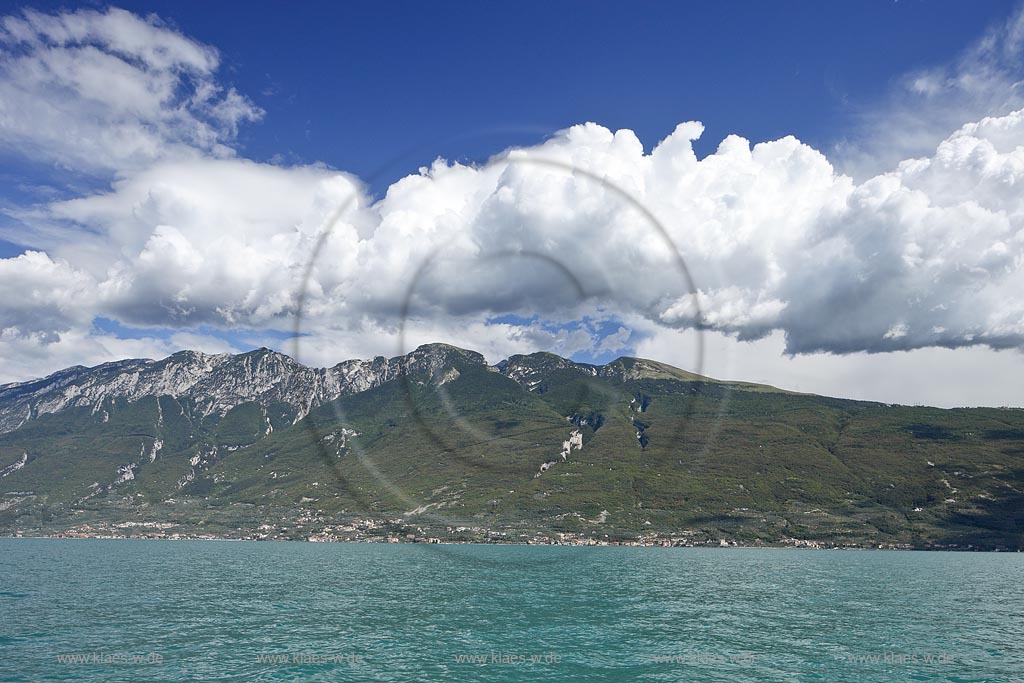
503, 255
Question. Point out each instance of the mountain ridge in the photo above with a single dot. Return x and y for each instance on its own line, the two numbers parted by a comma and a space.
325, 383
537, 447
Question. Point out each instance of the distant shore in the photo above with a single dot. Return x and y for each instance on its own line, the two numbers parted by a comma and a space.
798, 545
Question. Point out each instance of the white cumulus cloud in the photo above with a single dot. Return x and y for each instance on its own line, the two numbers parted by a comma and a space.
774, 238
105, 91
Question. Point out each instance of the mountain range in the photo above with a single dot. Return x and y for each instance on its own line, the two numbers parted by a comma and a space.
439, 445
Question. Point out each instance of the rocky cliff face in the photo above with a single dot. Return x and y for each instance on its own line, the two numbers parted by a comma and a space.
214, 384
531, 370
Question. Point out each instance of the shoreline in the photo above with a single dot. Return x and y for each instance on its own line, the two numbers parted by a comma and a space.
803, 545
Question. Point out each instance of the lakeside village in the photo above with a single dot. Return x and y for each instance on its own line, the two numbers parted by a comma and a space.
400, 531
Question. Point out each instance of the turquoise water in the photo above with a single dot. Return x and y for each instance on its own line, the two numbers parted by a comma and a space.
239, 611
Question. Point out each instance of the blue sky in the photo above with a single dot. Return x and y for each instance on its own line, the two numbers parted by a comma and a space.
167, 171
379, 89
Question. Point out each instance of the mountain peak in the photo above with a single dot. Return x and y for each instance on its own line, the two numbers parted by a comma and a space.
528, 369
641, 368
189, 354
438, 358
440, 348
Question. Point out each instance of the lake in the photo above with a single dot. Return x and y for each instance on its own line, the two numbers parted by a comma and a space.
127, 610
